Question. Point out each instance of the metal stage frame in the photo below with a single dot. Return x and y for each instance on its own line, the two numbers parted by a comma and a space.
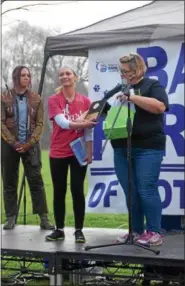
27, 243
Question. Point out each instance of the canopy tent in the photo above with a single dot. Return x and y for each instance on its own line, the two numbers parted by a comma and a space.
155, 21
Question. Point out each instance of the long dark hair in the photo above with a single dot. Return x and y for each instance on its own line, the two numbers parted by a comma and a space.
16, 74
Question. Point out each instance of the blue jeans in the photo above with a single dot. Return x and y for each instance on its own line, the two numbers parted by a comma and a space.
146, 201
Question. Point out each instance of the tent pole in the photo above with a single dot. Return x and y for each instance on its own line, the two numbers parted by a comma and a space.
46, 58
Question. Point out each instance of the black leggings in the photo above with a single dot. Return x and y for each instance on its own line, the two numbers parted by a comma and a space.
59, 171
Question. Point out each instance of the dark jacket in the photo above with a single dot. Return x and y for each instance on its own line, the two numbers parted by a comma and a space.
9, 130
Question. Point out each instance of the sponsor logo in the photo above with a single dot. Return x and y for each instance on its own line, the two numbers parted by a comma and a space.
101, 67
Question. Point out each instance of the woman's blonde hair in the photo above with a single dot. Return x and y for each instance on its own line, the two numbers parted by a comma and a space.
135, 63
60, 88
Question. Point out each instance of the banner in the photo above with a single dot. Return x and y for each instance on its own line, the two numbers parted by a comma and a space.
165, 61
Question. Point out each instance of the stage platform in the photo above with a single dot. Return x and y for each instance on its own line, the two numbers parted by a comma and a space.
29, 241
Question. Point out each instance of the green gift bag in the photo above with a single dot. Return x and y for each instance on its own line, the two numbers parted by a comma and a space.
120, 127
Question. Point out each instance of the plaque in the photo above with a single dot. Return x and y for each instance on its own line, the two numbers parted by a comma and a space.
96, 110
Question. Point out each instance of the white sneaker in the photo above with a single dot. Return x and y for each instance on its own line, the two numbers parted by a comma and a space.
123, 237
150, 238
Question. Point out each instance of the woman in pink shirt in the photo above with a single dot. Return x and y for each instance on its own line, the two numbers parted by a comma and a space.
65, 108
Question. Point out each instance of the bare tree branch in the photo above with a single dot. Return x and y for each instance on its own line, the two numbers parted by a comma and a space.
10, 22
24, 7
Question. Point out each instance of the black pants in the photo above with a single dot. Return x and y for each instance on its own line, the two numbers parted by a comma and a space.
59, 170
10, 160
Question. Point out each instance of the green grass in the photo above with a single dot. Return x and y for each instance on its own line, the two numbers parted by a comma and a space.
91, 220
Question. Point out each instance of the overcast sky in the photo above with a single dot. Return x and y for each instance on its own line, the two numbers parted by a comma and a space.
64, 16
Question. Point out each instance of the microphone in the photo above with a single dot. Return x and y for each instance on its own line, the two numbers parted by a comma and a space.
97, 107
127, 88
110, 93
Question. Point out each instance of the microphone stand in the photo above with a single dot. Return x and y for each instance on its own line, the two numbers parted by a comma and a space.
129, 240
21, 191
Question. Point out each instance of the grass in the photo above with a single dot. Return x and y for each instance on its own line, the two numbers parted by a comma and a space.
91, 220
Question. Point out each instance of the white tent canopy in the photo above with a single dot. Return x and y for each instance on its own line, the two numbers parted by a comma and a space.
154, 21
158, 20
157, 12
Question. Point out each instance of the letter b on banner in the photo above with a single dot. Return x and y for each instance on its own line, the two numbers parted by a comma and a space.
160, 56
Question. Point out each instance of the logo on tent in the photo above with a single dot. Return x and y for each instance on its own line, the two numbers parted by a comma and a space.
101, 67
112, 68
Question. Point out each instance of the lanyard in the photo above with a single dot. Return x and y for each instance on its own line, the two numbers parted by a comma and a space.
67, 108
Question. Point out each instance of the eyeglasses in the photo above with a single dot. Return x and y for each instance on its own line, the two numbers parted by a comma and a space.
122, 71
127, 59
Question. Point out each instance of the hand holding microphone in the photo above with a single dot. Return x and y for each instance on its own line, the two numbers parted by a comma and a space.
127, 91
125, 97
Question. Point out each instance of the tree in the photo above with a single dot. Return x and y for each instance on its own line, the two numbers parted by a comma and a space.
28, 6
24, 45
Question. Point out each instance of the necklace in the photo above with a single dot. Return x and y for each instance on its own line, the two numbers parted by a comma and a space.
70, 99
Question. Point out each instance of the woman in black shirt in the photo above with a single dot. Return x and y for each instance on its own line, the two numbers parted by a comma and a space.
148, 145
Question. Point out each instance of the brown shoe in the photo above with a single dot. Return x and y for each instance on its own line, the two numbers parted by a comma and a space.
45, 223
10, 223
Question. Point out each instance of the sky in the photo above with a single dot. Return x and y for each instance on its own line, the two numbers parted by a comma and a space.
64, 16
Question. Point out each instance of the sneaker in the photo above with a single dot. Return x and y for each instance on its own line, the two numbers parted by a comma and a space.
79, 236
55, 235
123, 238
45, 223
150, 238
10, 223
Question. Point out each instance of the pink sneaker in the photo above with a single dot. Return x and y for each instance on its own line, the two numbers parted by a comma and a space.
123, 237
150, 238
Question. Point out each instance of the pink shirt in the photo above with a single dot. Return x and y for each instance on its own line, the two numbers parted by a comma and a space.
60, 138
